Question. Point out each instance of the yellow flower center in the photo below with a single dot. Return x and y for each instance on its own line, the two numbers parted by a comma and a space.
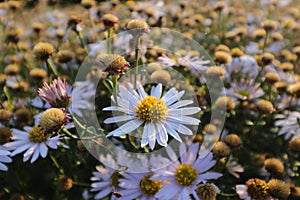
36, 135
151, 109
149, 187
244, 93
186, 174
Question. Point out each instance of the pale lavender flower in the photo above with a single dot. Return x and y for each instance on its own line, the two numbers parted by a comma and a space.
245, 90
195, 64
184, 175
34, 142
57, 94
161, 114
289, 124
138, 185
106, 179
247, 65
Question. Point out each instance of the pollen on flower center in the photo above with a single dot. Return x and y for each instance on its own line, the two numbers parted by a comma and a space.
149, 187
151, 109
244, 93
186, 174
36, 135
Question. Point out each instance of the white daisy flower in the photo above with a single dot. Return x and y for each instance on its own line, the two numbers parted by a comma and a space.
289, 125
106, 179
160, 114
4, 158
33, 141
185, 174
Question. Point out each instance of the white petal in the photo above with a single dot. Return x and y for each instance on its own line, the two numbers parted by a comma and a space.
184, 111
174, 98
141, 90
145, 141
35, 154
156, 91
43, 150
180, 104
151, 135
162, 138
172, 132
118, 119
126, 128
184, 120
3, 167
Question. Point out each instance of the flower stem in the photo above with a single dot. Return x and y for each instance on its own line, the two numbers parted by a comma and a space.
259, 74
56, 163
136, 46
82, 42
115, 89
68, 133
51, 66
109, 34
265, 41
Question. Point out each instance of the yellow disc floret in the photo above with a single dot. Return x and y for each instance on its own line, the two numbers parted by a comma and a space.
151, 109
186, 174
149, 187
36, 135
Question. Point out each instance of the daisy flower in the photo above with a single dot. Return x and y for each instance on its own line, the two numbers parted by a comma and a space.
185, 174
139, 185
161, 114
245, 90
57, 94
194, 63
106, 178
4, 158
33, 141
289, 125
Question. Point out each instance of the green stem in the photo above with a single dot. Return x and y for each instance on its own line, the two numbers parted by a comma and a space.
109, 34
56, 164
51, 66
115, 89
259, 74
254, 125
136, 46
265, 41
68, 133
82, 42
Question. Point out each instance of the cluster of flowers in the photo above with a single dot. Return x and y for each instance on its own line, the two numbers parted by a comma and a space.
48, 103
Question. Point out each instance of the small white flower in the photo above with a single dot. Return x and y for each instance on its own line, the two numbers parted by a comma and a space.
290, 125
161, 114
33, 141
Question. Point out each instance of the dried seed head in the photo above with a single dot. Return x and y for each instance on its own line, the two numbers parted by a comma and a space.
274, 166
221, 149
43, 50
279, 189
